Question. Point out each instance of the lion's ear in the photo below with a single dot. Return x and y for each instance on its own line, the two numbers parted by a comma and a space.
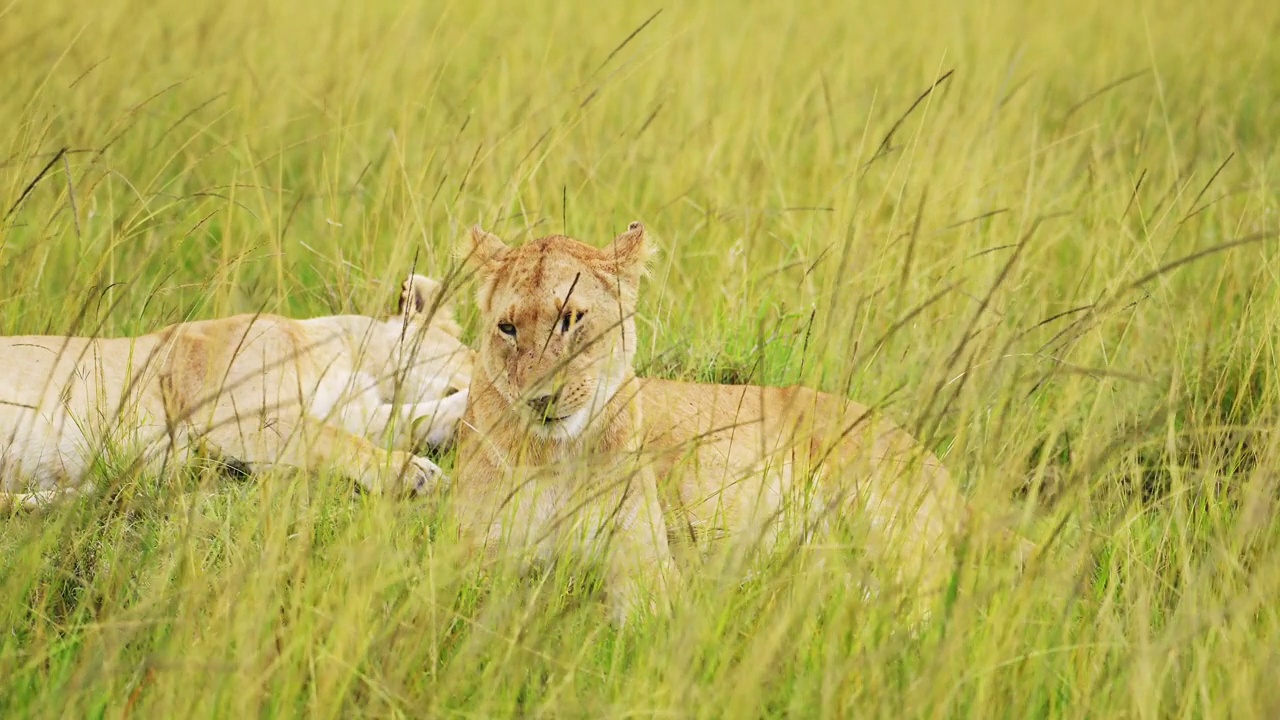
481, 249
629, 253
421, 294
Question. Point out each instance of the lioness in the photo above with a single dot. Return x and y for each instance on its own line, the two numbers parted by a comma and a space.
562, 442
325, 393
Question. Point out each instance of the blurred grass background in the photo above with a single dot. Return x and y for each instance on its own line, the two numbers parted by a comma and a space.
1040, 234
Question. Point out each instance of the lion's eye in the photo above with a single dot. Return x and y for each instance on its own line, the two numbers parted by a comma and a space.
569, 319
507, 329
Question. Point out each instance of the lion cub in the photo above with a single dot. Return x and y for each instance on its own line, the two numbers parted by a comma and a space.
563, 448
326, 393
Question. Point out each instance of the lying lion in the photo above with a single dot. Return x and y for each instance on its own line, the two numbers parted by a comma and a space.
255, 391
563, 448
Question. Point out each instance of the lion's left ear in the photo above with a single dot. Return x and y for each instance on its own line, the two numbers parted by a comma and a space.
628, 255
420, 294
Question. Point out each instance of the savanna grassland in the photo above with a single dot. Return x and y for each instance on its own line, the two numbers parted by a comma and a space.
1041, 235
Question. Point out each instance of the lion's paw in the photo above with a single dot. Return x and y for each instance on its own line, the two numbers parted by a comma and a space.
423, 477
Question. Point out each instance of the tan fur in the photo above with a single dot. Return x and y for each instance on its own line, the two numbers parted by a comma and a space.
660, 467
326, 393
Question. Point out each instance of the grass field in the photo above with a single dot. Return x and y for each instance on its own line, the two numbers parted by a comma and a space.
1041, 235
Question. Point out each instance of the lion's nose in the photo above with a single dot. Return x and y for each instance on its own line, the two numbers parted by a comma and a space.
543, 403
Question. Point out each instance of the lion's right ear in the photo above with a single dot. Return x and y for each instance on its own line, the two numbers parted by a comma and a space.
419, 294
481, 249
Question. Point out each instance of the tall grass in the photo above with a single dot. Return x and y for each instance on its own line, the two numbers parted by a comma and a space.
1039, 234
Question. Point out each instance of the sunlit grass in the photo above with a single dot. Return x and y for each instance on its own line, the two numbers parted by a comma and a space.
971, 214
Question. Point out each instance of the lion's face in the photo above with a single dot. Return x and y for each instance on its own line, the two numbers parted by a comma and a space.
557, 336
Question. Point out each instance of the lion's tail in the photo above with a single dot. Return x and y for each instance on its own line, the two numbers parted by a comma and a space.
23, 502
